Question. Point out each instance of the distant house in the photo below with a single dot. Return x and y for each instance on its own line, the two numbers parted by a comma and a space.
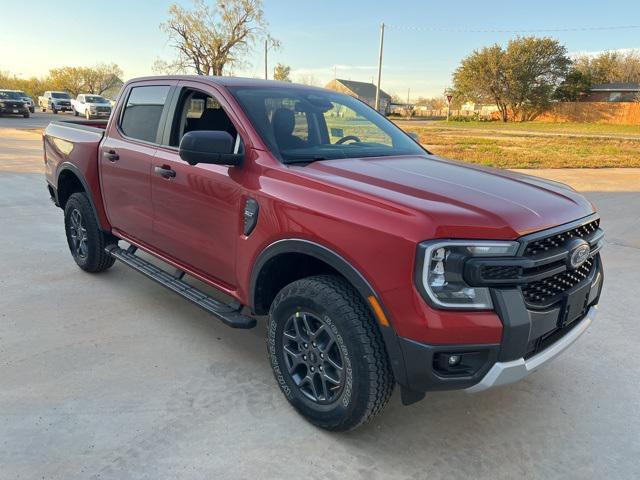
362, 90
612, 92
483, 109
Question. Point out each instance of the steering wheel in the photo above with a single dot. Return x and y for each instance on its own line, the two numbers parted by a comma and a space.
347, 138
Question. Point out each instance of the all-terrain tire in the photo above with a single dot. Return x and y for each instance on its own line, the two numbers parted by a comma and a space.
91, 257
368, 379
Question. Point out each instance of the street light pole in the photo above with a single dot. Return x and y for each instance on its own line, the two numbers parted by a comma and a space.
266, 75
380, 66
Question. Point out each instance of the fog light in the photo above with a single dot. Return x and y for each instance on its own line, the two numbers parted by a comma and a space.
454, 360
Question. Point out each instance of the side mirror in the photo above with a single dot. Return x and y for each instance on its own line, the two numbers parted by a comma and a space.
209, 146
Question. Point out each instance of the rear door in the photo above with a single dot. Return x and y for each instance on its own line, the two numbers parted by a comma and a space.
126, 158
197, 211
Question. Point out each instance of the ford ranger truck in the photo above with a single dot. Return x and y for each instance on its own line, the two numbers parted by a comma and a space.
374, 261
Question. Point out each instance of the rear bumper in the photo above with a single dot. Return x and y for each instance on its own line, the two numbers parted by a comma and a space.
503, 373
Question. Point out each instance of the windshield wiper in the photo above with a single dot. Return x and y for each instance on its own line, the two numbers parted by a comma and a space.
305, 159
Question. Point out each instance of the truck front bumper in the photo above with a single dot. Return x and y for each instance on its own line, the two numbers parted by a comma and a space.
503, 373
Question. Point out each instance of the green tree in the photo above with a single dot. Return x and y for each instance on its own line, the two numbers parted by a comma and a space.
210, 38
76, 80
609, 67
281, 72
519, 79
69, 79
575, 83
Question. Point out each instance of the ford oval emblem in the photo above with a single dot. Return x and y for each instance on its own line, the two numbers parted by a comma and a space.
579, 254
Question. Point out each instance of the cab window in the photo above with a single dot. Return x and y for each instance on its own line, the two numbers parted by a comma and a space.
141, 115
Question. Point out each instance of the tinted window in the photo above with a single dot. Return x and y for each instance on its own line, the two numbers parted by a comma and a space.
142, 112
60, 95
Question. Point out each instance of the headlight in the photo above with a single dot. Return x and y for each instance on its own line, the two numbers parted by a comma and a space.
442, 266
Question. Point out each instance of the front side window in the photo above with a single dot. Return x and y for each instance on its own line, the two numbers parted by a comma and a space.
303, 125
199, 111
141, 115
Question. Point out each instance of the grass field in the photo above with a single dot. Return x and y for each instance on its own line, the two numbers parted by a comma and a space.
532, 145
539, 127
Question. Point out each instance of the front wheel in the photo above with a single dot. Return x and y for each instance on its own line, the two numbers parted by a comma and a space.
87, 115
327, 353
75, 112
53, 110
85, 239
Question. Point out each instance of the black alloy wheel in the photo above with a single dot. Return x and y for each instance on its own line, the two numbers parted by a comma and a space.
312, 357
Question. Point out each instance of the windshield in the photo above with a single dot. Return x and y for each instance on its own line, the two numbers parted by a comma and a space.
10, 96
301, 125
22, 94
60, 95
94, 99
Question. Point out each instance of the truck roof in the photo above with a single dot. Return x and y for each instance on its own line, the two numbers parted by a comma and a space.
226, 81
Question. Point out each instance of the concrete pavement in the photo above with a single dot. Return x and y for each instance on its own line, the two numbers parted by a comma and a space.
110, 376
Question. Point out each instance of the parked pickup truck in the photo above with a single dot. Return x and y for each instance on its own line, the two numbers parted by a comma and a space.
376, 262
55, 101
91, 106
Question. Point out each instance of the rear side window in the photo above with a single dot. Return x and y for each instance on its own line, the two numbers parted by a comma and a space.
141, 116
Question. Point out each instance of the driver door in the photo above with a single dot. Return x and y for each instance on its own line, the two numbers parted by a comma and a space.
197, 210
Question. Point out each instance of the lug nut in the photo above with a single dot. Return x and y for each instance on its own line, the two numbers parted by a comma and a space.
304, 357
322, 355
321, 368
313, 369
306, 346
314, 344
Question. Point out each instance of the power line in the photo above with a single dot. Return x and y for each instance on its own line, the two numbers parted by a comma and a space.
501, 30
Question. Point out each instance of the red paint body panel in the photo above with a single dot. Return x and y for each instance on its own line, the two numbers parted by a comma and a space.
372, 212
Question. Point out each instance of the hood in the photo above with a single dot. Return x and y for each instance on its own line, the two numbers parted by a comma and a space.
460, 200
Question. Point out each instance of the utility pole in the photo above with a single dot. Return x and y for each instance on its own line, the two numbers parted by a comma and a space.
408, 92
380, 66
266, 47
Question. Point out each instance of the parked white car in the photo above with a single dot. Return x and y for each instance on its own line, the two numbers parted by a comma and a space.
91, 106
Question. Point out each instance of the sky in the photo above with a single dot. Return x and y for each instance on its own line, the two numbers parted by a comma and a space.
321, 38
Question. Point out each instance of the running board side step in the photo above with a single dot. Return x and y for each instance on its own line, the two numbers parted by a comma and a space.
229, 314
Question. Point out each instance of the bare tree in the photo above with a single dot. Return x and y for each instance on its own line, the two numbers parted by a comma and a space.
101, 78
210, 38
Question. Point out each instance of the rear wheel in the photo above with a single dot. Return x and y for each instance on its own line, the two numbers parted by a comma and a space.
85, 239
327, 353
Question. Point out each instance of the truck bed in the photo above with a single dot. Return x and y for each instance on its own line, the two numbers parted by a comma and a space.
73, 145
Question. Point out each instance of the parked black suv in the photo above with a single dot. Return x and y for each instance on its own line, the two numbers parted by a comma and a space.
11, 103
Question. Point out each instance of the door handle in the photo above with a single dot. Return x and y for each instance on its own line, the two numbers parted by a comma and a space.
164, 171
112, 156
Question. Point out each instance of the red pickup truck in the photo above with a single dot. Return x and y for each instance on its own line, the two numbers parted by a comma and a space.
376, 262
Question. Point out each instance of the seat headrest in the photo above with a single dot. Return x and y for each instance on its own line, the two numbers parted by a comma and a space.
283, 122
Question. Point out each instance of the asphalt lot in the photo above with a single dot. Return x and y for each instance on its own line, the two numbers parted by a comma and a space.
110, 376
37, 120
